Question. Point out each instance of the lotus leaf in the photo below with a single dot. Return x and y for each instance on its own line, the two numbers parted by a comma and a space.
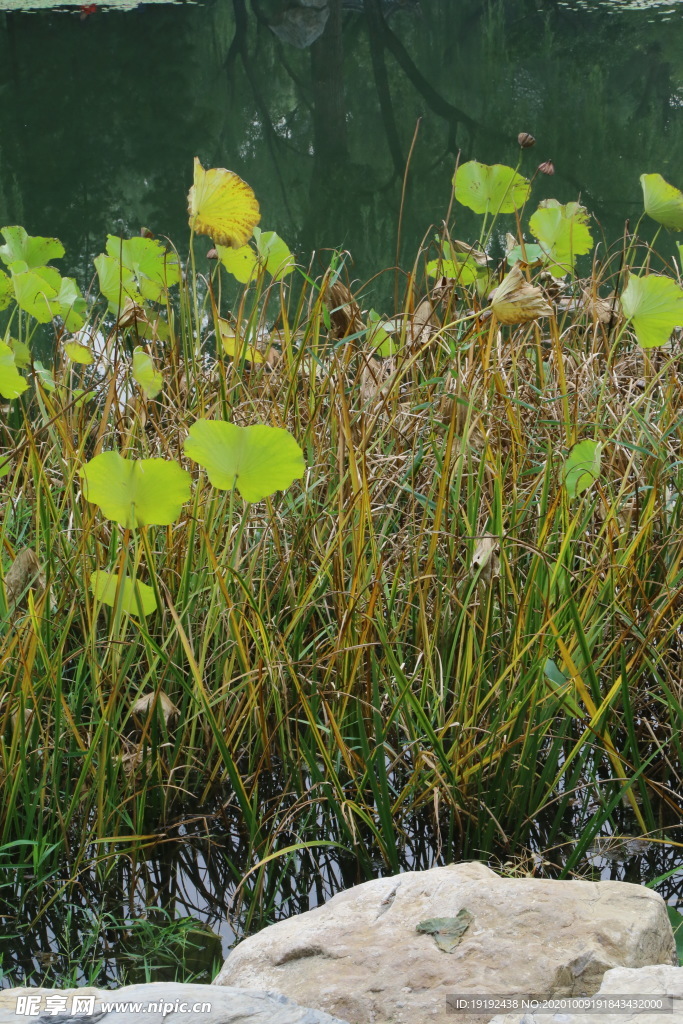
32, 250
663, 202
104, 585
140, 492
117, 283
242, 263
78, 353
487, 188
237, 349
21, 353
271, 252
531, 254
44, 294
582, 467
44, 376
465, 270
258, 460
222, 206
12, 384
136, 268
274, 253
6, 290
563, 234
378, 337
145, 373
654, 305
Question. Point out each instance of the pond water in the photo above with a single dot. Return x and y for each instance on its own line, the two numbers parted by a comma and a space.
102, 111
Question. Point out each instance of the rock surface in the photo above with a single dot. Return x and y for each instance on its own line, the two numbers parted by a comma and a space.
361, 957
620, 981
204, 1004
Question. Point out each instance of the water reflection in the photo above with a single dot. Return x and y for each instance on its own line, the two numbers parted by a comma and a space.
101, 118
195, 875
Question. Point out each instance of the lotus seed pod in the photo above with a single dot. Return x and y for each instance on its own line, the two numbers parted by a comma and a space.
548, 167
525, 140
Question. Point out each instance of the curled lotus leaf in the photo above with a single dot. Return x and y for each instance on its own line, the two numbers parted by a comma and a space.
663, 202
145, 373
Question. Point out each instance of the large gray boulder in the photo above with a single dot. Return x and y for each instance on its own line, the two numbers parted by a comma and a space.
362, 957
621, 981
156, 1003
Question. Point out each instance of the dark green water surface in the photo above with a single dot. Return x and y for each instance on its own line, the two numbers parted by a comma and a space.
101, 116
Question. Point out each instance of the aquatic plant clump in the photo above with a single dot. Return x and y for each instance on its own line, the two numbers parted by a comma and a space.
334, 583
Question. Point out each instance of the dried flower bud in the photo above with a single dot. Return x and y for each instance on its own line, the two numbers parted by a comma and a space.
548, 167
525, 140
212, 254
146, 233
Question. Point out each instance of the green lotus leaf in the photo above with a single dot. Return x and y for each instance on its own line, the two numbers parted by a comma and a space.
78, 353
36, 291
82, 397
531, 254
654, 305
274, 253
242, 263
663, 202
258, 460
490, 188
582, 467
380, 339
117, 283
71, 304
12, 384
44, 376
465, 270
563, 234
136, 268
104, 586
21, 353
153, 266
140, 492
44, 294
5, 462
237, 348
145, 373
32, 250
6, 290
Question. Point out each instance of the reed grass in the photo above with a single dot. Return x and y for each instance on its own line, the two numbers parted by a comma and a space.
345, 679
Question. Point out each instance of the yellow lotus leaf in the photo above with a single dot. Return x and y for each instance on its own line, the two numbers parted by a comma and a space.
222, 206
515, 301
236, 348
